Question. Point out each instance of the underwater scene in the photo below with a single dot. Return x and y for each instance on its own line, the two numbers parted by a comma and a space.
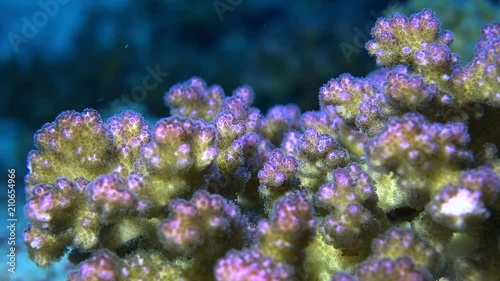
235, 140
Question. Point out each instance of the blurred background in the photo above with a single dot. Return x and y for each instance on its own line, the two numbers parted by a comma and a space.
114, 55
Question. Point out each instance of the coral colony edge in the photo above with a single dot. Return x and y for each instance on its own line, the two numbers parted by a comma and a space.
385, 182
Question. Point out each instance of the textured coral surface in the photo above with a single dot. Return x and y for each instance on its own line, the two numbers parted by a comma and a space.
385, 182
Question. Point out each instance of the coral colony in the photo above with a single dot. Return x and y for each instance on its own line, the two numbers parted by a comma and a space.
385, 182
